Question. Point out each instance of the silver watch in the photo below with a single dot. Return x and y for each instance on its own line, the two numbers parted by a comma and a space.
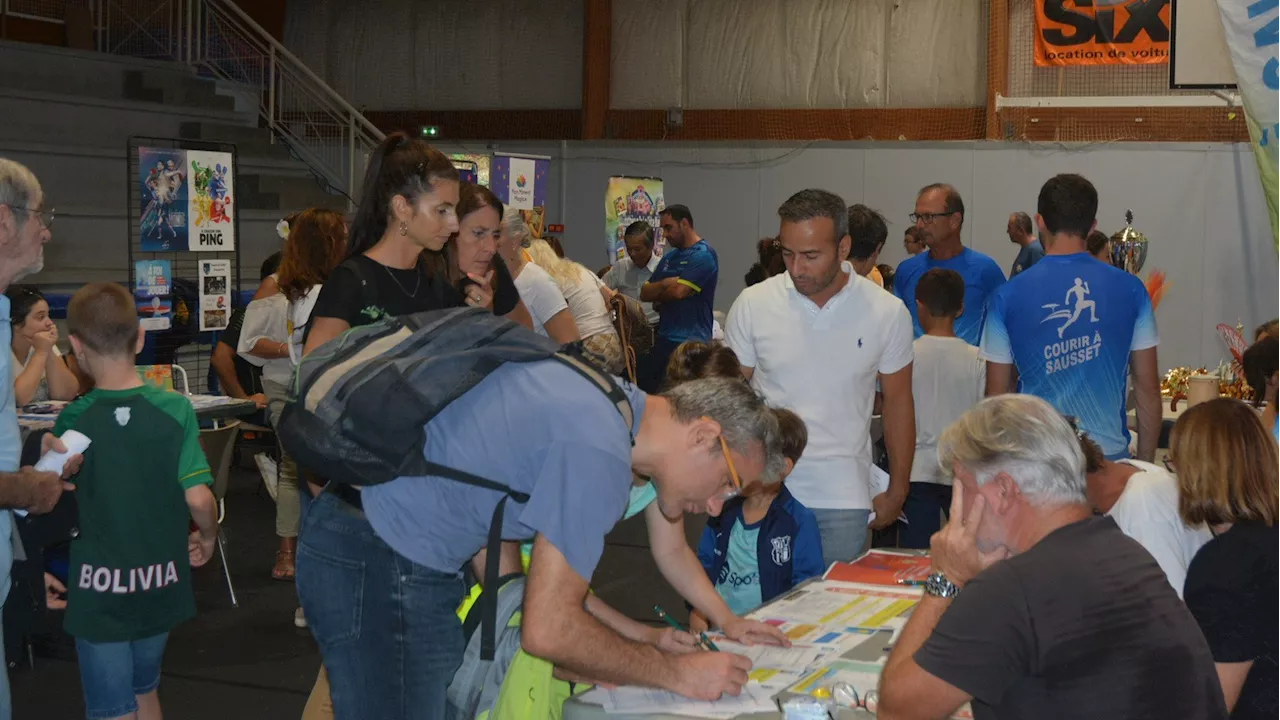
938, 585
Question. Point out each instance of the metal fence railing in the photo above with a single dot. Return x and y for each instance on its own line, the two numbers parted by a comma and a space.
219, 40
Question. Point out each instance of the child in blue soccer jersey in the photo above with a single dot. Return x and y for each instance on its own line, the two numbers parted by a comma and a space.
763, 544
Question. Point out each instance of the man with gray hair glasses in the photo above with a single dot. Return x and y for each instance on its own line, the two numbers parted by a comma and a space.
24, 229
1035, 607
391, 639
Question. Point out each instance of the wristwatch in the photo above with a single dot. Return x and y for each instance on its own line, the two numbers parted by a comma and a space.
938, 585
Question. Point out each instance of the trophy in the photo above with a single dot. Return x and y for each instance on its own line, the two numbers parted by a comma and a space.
1129, 247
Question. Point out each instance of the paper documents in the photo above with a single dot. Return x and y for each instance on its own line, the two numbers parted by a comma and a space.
796, 657
826, 606
637, 701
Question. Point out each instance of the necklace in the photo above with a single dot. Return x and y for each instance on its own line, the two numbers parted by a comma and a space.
416, 286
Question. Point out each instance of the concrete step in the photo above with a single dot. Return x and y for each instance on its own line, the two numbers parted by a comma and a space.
62, 70
269, 183
171, 90
251, 139
97, 121
286, 193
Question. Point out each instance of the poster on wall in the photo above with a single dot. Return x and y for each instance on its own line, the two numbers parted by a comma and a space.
186, 200
151, 289
628, 200
520, 181
1102, 32
215, 294
164, 199
212, 196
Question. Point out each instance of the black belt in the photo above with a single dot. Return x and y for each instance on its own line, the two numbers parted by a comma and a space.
346, 494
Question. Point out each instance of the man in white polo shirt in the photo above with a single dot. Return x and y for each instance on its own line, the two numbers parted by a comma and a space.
815, 339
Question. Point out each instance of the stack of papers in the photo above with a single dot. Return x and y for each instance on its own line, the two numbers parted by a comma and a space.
641, 701
879, 567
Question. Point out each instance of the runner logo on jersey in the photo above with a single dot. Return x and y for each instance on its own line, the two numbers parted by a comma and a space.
1076, 310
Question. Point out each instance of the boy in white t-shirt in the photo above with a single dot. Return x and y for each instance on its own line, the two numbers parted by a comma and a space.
948, 379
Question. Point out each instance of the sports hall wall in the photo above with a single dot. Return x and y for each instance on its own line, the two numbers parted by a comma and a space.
1200, 203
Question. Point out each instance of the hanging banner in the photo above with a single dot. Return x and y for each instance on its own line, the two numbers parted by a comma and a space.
1252, 29
628, 200
211, 192
520, 181
186, 200
151, 288
1102, 32
215, 294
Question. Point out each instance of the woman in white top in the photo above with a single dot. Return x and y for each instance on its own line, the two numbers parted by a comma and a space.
272, 338
39, 371
585, 294
538, 292
1143, 500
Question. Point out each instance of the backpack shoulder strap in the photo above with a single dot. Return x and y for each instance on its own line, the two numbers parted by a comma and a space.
572, 358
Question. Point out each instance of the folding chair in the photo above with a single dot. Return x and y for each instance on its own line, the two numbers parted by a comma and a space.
219, 447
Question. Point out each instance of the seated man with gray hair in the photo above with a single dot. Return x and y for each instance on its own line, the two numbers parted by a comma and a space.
1035, 607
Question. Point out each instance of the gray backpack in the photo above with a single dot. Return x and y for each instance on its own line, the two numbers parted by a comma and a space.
478, 681
357, 408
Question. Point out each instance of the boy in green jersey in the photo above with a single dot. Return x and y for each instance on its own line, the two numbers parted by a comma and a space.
144, 478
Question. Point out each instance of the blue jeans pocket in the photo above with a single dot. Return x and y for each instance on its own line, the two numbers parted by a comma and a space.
332, 593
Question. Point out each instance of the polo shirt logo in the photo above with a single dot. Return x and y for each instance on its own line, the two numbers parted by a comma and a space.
859, 342
122, 416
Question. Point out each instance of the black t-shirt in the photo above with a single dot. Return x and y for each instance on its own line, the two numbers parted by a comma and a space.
1082, 625
400, 292
1232, 586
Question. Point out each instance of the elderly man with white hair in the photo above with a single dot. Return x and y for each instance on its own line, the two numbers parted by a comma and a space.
1035, 607
24, 229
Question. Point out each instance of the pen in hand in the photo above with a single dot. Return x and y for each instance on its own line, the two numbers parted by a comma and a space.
702, 643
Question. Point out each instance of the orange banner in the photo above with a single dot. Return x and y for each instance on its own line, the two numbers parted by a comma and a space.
1102, 32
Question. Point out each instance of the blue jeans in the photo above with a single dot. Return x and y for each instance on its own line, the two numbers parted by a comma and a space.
844, 533
387, 627
924, 507
114, 674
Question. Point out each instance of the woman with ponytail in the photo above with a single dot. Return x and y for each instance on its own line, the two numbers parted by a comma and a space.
355, 589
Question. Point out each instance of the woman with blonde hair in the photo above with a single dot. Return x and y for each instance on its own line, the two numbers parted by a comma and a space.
539, 293
1226, 463
585, 294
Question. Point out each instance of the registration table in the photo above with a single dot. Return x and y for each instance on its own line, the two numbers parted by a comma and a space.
842, 627
42, 416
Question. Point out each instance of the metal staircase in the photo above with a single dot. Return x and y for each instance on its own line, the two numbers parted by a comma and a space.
220, 41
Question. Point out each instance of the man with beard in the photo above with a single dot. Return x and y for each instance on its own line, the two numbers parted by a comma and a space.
815, 339
939, 215
683, 289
